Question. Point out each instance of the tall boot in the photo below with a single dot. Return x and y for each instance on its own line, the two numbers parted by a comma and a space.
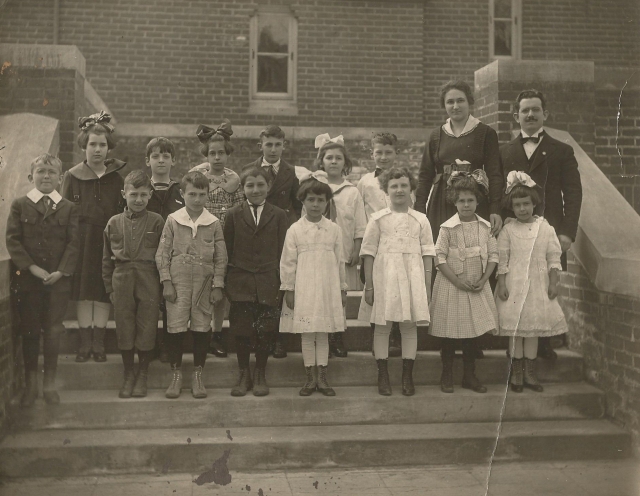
323, 385
98, 344
311, 384
384, 385
469, 379
408, 389
175, 387
218, 346
84, 347
140, 388
530, 376
395, 342
31, 389
446, 378
336, 346
260, 387
197, 387
51, 347
244, 383
128, 382
517, 380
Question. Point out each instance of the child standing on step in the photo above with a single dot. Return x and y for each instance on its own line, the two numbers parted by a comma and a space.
225, 192
42, 241
165, 199
398, 252
462, 307
254, 233
312, 274
131, 279
346, 209
192, 260
526, 295
95, 186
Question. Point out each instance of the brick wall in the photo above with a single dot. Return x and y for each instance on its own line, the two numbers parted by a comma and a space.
605, 329
11, 377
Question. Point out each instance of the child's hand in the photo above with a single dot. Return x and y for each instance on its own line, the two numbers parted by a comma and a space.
216, 295
344, 298
290, 299
355, 258
477, 287
169, 292
53, 278
503, 292
112, 298
553, 290
463, 285
368, 296
40, 273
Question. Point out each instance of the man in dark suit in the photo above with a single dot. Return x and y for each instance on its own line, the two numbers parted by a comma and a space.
553, 166
283, 192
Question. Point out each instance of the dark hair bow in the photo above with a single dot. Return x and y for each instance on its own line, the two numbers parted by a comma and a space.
205, 133
102, 118
478, 175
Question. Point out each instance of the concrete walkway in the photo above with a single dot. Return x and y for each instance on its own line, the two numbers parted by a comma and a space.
592, 478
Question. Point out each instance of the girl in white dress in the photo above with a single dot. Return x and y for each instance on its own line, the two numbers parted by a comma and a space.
398, 253
462, 307
346, 209
312, 276
526, 295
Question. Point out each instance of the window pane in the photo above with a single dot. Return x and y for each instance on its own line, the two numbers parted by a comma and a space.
502, 38
502, 8
272, 74
273, 33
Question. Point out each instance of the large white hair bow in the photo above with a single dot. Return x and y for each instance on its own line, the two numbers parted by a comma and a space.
318, 175
323, 139
517, 177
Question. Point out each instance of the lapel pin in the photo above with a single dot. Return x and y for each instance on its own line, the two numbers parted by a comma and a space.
544, 153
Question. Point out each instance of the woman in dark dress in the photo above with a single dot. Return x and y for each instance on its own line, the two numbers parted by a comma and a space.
95, 186
461, 143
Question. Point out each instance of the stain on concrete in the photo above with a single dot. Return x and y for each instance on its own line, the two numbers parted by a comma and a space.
219, 472
229, 435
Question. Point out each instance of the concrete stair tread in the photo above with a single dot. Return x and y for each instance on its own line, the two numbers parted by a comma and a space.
111, 324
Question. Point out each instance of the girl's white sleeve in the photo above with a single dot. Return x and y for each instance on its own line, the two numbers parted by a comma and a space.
360, 217
504, 251
289, 261
426, 239
554, 251
371, 239
492, 249
442, 246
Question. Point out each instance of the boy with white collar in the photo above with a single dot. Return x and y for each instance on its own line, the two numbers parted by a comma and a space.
42, 240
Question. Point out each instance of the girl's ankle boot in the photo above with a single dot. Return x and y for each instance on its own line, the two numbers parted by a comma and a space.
309, 386
517, 379
384, 385
84, 346
446, 379
323, 384
98, 344
469, 379
530, 375
408, 388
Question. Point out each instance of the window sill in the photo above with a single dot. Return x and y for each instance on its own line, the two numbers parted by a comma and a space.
272, 107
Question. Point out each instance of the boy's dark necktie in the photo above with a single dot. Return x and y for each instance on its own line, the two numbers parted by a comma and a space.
47, 203
255, 212
271, 170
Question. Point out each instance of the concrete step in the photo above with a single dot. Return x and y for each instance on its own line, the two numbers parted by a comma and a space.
60, 453
358, 369
358, 337
285, 407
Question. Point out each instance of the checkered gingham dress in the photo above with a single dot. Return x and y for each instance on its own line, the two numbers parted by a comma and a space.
460, 314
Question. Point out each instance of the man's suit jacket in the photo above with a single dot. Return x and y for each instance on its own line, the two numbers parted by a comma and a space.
284, 190
254, 253
48, 239
555, 169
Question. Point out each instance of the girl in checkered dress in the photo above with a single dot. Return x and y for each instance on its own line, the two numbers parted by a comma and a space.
463, 307
225, 192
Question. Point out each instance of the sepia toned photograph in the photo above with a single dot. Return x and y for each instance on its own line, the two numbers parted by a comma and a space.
320, 247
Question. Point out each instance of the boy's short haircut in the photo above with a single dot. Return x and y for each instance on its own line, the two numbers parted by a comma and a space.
195, 179
255, 172
98, 129
464, 183
521, 191
272, 131
348, 163
456, 85
384, 139
396, 173
47, 159
137, 179
314, 186
164, 145
530, 94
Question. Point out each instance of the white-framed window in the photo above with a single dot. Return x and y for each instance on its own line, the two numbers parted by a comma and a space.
273, 60
505, 29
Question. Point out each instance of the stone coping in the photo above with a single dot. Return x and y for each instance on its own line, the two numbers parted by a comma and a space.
531, 71
608, 239
43, 56
134, 129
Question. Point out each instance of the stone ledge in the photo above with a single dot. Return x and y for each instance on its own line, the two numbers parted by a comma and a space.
43, 56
